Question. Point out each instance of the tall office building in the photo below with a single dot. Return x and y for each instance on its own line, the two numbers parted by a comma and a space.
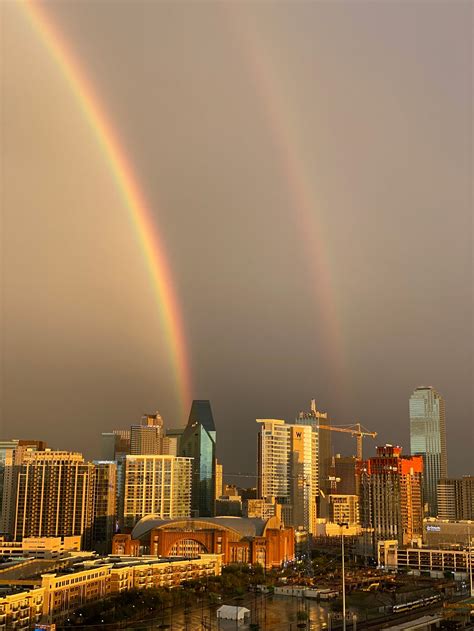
54, 496
147, 438
428, 439
173, 440
391, 495
456, 498
156, 485
288, 470
115, 444
105, 506
199, 442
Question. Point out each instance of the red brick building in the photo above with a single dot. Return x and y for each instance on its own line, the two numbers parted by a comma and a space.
238, 539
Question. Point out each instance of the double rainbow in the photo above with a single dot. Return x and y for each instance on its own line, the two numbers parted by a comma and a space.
126, 182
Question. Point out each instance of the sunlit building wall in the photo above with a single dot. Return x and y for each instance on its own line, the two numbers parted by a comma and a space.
158, 485
288, 470
54, 496
391, 496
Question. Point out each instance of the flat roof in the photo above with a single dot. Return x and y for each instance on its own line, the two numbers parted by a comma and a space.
415, 624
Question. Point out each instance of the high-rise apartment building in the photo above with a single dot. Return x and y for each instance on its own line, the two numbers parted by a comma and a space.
288, 470
147, 438
273, 460
456, 498
391, 495
156, 485
315, 418
428, 439
105, 506
199, 443
10, 456
54, 496
345, 472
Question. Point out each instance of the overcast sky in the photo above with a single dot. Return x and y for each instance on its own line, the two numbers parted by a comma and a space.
309, 166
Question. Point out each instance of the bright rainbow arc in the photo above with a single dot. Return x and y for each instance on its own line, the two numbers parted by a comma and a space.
127, 184
302, 200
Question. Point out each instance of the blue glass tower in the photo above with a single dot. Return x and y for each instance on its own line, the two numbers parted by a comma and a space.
199, 442
428, 439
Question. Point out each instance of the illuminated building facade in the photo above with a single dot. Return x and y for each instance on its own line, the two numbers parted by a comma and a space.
159, 485
288, 470
54, 496
391, 495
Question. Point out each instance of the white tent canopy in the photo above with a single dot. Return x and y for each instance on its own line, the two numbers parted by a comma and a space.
229, 612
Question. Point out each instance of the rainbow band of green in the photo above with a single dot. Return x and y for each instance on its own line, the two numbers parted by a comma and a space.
303, 201
125, 180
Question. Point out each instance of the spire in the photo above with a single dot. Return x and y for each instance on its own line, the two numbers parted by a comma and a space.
201, 413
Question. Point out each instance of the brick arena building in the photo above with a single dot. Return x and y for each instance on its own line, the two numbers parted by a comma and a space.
238, 539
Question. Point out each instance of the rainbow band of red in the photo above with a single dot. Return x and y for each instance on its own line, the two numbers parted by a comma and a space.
304, 204
126, 182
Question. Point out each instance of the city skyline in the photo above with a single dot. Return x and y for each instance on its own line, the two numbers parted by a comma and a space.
307, 179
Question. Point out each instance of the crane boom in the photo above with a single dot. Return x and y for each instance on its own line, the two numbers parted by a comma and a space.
354, 430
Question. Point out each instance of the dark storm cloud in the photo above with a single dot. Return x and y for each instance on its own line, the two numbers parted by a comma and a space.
376, 102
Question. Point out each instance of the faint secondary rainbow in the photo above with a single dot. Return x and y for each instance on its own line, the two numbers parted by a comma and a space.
301, 196
125, 179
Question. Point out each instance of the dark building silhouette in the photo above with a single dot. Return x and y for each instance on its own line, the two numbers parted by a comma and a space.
199, 442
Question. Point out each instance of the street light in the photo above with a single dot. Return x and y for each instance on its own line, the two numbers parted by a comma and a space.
342, 525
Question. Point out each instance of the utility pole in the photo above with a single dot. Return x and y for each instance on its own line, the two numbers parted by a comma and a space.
469, 553
343, 525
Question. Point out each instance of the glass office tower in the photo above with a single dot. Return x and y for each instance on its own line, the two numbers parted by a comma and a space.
428, 439
199, 442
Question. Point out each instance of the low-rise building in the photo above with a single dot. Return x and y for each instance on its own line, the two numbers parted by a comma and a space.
262, 508
326, 528
443, 532
40, 547
238, 539
437, 562
65, 592
21, 610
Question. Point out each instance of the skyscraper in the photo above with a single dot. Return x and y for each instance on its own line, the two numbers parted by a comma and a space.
391, 495
115, 444
456, 498
315, 418
147, 438
199, 442
428, 439
288, 470
156, 485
